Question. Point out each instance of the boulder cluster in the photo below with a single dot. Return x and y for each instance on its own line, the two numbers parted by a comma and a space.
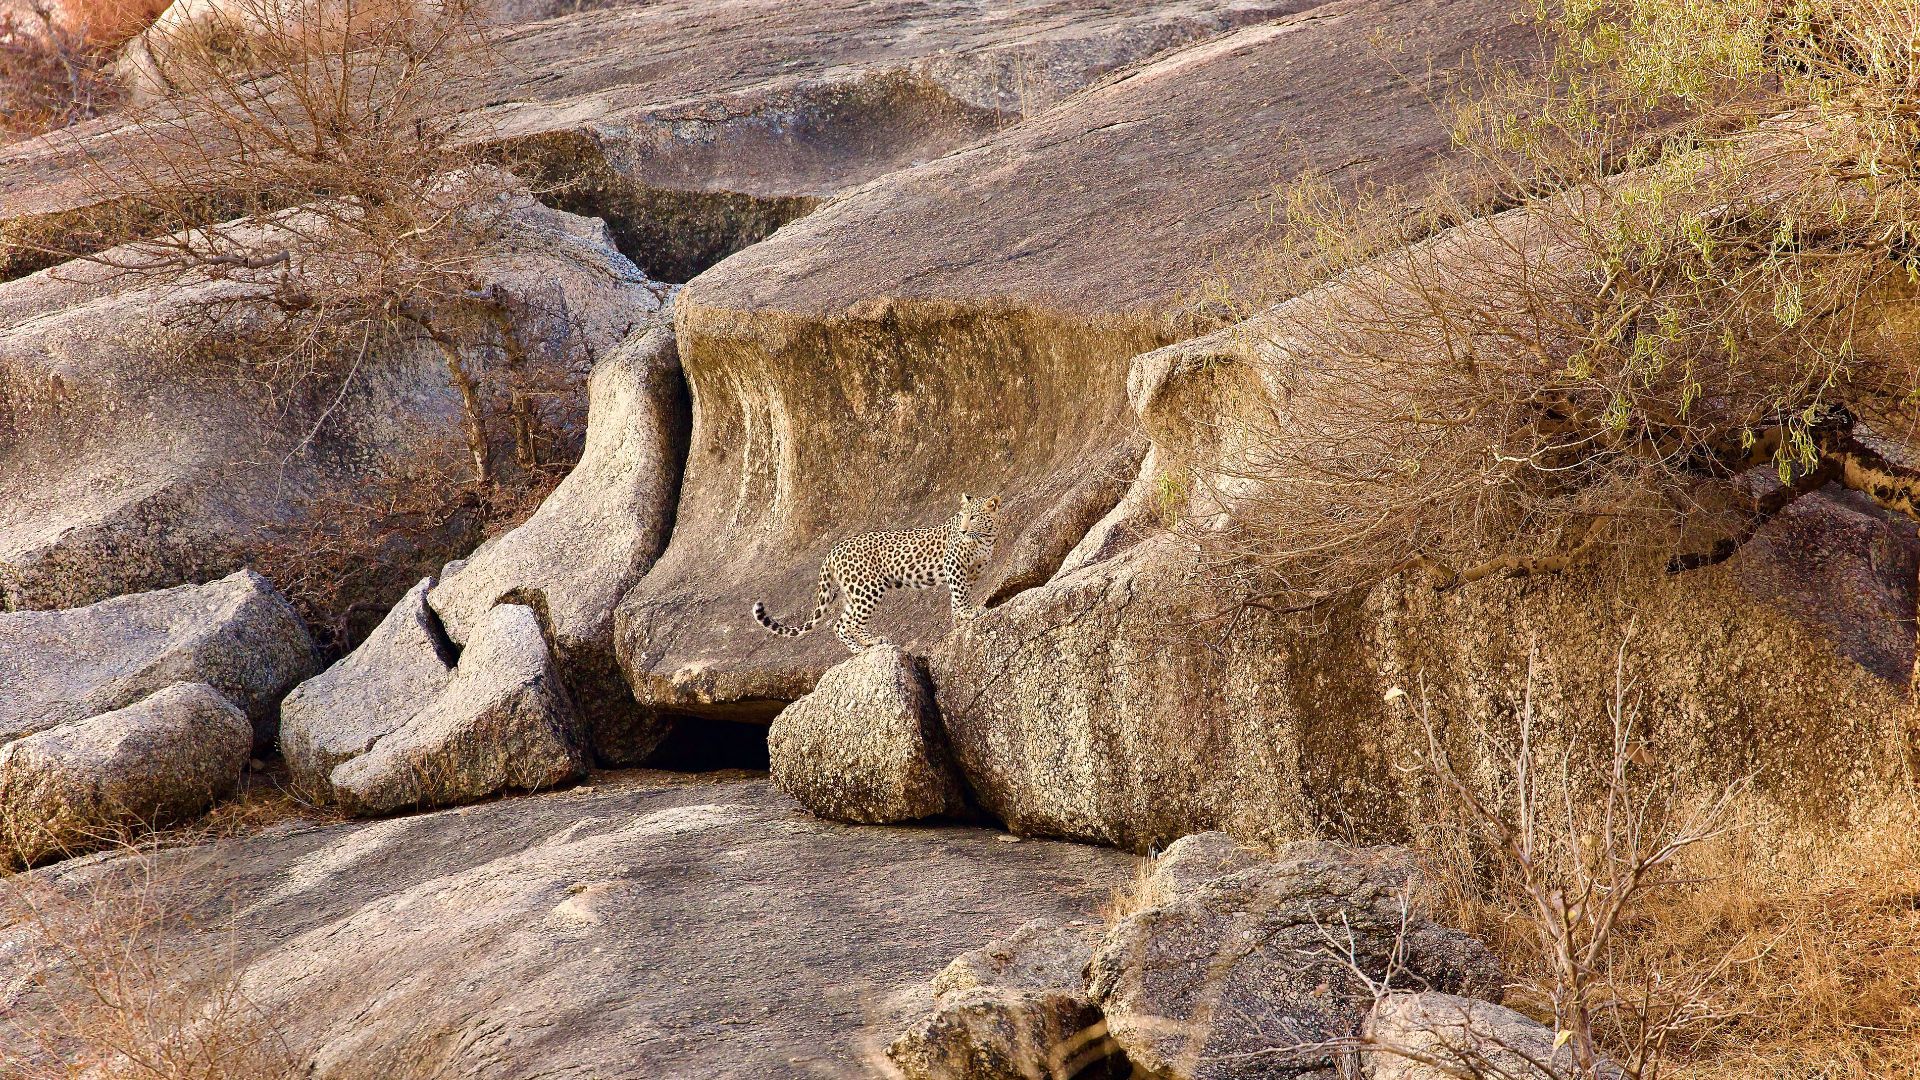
1228, 963
925, 251
138, 711
769, 275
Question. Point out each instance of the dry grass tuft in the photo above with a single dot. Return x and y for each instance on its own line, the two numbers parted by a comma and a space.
1134, 897
92, 988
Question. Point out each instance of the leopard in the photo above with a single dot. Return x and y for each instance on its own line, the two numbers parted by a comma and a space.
865, 567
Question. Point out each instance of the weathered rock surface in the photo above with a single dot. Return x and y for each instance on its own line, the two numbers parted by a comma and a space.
864, 746
647, 926
89, 783
699, 126
502, 722
1014, 1009
147, 442
1090, 708
236, 634
1040, 955
1193, 862
592, 539
338, 714
145, 63
964, 325
1247, 975
1432, 1036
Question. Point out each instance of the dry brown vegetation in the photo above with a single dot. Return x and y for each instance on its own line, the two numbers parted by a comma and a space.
299, 156
90, 988
51, 74
1697, 313
1680, 331
1683, 934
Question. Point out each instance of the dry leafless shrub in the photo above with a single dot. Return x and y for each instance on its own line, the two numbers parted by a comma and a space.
303, 152
1675, 931
1580, 856
1719, 206
51, 74
345, 549
97, 984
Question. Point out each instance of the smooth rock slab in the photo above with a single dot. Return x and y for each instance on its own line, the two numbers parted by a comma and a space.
1434, 1036
88, 784
864, 745
503, 722
237, 635
645, 927
1246, 976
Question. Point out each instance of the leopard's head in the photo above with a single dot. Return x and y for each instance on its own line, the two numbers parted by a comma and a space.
977, 524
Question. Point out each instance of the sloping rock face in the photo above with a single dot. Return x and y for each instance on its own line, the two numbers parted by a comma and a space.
145, 441
1431, 1036
1015, 1009
864, 746
89, 783
236, 634
964, 326
650, 926
1246, 976
697, 127
592, 539
500, 720
1092, 708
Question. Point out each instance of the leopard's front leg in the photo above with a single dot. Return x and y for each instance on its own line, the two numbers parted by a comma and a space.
960, 590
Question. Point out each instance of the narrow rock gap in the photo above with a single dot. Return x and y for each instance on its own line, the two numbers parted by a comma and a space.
444, 647
670, 234
679, 437
1074, 513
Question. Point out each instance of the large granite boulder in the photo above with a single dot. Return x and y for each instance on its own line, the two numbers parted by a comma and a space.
649, 925
1435, 1036
697, 127
592, 539
236, 634
964, 325
1014, 1009
864, 746
338, 714
1128, 701
1257, 973
88, 784
500, 720
152, 436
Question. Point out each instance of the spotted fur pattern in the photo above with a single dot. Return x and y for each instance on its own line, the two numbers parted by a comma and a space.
864, 567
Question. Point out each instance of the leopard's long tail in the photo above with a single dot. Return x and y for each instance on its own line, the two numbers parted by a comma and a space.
822, 597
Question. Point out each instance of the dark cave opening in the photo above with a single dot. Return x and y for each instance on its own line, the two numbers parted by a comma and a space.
704, 744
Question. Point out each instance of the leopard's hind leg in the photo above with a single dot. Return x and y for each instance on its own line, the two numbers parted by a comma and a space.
852, 627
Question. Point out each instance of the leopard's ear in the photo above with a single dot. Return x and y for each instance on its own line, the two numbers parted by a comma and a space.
965, 501
993, 503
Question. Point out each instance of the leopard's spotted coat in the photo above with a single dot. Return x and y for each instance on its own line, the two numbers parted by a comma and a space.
864, 567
